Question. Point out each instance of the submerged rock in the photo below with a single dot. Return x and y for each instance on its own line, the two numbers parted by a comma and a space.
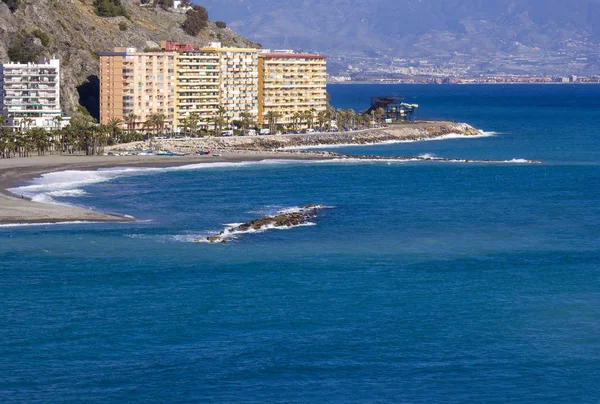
284, 219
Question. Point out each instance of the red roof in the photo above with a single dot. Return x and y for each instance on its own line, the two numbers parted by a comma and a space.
176, 46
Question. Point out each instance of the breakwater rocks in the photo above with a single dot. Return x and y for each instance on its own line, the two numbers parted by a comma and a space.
396, 133
282, 220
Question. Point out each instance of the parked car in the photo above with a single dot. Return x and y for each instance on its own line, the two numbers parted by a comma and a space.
227, 133
265, 132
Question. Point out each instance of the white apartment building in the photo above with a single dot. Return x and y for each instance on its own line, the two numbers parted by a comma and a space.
30, 95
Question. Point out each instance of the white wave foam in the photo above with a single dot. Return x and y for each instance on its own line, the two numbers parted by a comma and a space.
449, 136
519, 161
70, 183
229, 234
46, 224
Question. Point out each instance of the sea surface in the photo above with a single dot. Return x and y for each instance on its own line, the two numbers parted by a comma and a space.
423, 282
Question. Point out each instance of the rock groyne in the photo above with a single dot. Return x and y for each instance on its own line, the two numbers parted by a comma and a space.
397, 133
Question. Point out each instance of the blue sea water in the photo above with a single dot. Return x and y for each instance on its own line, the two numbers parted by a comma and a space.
424, 282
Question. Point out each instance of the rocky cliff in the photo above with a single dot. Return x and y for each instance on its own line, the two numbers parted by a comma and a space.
75, 35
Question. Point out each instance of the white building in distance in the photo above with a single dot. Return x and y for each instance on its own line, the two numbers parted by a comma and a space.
30, 95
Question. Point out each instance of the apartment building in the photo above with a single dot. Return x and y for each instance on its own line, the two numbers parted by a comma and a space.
198, 85
233, 70
183, 79
138, 84
239, 82
30, 95
290, 83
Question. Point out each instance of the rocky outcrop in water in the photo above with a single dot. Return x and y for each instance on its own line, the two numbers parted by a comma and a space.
284, 219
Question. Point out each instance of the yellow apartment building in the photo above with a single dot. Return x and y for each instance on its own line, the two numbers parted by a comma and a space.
182, 79
290, 83
198, 85
138, 83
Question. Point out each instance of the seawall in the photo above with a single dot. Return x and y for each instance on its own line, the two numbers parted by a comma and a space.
404, 132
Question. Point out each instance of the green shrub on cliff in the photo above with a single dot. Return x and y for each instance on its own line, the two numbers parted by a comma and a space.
24, 50
42, 35
110, 8
196, 20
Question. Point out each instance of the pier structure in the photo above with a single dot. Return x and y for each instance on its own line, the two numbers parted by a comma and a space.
395, 109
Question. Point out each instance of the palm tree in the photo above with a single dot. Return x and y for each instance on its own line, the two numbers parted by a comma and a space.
246, 121
185, 125
160, 120
379, 114
5, 142
114, 126
323, 119
26, 124
57, 122
130, 120
310, 116
272, 117
156, 120
194, 120
296, 119
149, 123
40, 139
222, 112
218, 122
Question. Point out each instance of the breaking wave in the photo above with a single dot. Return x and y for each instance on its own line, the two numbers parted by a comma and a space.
230, 234
71, 183
386, 142
46, 224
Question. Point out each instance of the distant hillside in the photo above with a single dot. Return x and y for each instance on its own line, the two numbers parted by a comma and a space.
537, 29
71, 31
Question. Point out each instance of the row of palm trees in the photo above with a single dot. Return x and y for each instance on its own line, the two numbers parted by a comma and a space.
84, 135
347, 119
81, 136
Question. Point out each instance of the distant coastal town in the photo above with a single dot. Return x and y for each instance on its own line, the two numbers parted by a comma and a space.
431, 71
390, 78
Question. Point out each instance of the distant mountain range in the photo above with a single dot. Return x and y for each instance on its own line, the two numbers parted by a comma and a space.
552, 32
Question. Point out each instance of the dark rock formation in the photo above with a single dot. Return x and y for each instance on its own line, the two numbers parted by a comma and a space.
290, 218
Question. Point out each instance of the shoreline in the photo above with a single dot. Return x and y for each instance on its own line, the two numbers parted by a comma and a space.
16, 171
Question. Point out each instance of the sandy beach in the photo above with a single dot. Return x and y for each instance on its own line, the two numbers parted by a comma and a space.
15, 210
